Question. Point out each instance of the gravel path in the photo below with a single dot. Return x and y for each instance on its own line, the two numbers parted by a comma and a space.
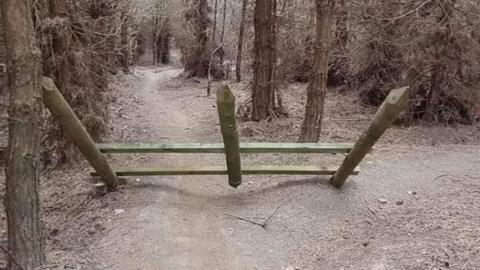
411, 207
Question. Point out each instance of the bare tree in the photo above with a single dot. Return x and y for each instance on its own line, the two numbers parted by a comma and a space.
161, 33
222, 34
317, 88
215, 15
196, 64
125, 57
241, 33
263, 95
25, 237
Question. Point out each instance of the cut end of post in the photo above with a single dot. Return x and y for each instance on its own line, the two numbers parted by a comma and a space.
225, 95
48, 84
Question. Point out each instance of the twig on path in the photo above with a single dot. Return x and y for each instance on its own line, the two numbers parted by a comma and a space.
247, 220
371, 210
263, 224
273, 214
289, 217
440, 176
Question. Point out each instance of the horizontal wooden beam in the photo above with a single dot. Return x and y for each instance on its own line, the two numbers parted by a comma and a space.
251, 148
252, 170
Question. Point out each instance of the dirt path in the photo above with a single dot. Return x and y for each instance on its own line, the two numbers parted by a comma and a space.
409, 209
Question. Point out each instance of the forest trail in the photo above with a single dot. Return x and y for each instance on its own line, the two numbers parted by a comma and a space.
180, 227
399, 212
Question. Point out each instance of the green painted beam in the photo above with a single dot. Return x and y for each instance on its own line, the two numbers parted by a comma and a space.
300, 148
248, 170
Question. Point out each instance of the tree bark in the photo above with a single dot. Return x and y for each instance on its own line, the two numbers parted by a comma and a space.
241, 33
162, 42
57, 66
155, 40
317, 88
215, 13
222, 34
198, 64
125, 41
25, 236
263, 94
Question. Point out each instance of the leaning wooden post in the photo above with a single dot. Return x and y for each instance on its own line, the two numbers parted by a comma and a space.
228, 124
395, 103
75, 130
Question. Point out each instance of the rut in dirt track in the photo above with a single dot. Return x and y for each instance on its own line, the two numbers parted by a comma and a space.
181, 223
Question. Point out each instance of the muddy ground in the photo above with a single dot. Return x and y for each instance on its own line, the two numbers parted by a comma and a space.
414, 206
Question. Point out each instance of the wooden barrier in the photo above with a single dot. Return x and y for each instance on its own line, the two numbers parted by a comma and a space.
228, 126
213, 170
395, 103
218, 148
72, 126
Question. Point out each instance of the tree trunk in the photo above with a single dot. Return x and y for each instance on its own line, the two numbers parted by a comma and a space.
155, 40
338, 65
162, 42
165, 56
317, 88
215, 13
241, 33
58, 65
198, 65
25, 237
263, 95
438, 67
125, 41
222, 35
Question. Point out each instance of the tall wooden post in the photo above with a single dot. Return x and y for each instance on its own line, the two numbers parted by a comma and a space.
228, 124
395, 103
72, 126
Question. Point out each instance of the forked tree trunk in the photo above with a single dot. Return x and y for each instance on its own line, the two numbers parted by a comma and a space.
241, 33
317, 88
25, 237
263, 95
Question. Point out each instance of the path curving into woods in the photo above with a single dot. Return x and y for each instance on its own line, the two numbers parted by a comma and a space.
408, 206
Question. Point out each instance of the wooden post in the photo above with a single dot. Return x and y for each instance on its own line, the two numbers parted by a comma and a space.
72, 126
395, 103
228, 124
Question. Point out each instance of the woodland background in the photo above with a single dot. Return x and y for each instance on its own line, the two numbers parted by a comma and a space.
375, 46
